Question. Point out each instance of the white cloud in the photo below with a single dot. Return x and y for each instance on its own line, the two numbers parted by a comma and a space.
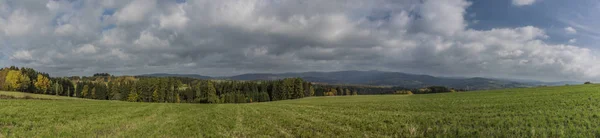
573, 40
22, 55
570, 30
86, 49
177, 19
148, 40
52, 5
135, 11
66, 29
451, 12
19, 23
231, 36
523, 2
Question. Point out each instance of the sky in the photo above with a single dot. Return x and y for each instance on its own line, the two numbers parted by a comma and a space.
546, 40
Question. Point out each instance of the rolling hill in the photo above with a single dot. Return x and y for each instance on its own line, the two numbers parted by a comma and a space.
382, 78
564, 111
196, 76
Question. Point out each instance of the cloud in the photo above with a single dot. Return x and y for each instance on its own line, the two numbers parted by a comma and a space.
148, 40
570, 30
19, 23
177, 19
86, 49
229, 37
135, 11
22, 56
66, 29
523, 2
573, 40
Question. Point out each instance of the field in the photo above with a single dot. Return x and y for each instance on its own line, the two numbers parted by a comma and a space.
566, 111
21, 95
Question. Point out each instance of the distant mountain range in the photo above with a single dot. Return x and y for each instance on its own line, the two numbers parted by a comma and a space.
196, 76
381, 78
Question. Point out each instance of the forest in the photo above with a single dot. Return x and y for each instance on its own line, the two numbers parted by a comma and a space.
103, 86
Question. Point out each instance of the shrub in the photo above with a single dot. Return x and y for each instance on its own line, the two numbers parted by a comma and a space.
587, 82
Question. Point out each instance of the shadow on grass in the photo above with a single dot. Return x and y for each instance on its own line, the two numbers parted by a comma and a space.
26, 97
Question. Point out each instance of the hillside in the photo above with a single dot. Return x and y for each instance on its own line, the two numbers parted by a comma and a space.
195, 76
388, 79
381, 78
22, 95
566, 111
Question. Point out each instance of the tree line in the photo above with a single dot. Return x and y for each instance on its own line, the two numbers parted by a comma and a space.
344, 90
103, 86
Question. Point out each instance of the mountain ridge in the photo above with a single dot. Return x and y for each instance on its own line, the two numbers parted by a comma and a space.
372, 77
382, 78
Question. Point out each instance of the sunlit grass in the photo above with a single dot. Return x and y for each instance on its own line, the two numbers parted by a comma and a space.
568, 111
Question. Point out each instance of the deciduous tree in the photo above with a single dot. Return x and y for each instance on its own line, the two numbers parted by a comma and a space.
42, 84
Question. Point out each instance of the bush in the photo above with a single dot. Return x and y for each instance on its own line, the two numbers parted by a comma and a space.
587, 82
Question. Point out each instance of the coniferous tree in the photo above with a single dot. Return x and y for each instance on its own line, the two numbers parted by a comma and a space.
155, 95
211, 93
298, 88
133, 95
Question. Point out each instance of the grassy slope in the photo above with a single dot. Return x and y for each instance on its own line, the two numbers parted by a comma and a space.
37, 96
533, 112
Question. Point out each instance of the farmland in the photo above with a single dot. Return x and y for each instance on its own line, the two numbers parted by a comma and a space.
565, 111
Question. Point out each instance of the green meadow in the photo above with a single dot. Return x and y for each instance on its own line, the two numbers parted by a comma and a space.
565, 111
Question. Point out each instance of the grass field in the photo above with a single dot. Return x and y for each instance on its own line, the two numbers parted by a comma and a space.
20, 95
567, 111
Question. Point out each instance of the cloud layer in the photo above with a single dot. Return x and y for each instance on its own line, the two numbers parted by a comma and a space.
230, 37
522, 2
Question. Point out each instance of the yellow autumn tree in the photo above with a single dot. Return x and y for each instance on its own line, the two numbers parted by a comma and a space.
42, 84
15, 81
93, 93
84, 92
3, 74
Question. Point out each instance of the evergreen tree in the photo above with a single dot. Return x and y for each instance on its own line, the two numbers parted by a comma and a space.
275, 93
211, 93
298, 88
155, 95
133, 95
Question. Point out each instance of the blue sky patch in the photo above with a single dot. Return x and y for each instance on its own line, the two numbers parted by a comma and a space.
108, 27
